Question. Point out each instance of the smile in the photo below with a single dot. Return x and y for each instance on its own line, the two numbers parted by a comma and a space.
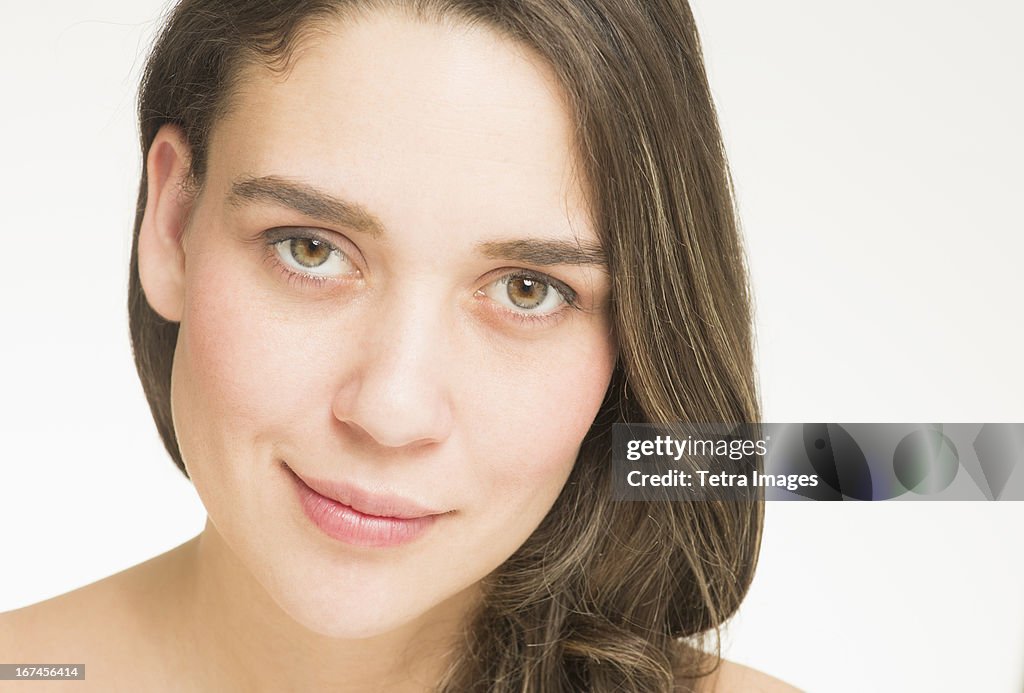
353, 516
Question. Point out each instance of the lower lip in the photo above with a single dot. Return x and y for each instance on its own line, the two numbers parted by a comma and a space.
350, 526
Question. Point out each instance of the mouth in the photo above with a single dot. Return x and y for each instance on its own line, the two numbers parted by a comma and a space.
356, 517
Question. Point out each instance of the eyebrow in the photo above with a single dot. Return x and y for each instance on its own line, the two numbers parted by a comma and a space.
306, 200
317, 204
543, 252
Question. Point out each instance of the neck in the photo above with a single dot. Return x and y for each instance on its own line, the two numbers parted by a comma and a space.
235, 637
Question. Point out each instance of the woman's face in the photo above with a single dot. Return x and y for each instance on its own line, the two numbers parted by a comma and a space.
391, 284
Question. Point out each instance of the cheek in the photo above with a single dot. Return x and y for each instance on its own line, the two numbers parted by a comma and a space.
239, 366
538, 416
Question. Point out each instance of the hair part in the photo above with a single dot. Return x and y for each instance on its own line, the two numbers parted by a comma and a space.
599, 596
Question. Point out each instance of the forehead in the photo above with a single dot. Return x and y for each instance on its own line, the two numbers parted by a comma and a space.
417, 120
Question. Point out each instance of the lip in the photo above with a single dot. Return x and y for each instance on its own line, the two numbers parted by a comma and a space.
359, 518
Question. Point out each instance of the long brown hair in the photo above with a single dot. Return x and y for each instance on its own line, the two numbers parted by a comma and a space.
600, 595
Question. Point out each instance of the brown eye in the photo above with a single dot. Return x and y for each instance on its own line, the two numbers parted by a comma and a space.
529, 293
309, 252
315, 257
526, 292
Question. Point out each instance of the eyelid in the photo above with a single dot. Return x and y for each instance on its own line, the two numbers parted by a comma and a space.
272, 237
567, 292
333, 239
525, 317
288, 233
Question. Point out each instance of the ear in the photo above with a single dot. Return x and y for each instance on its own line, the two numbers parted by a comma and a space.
161, 253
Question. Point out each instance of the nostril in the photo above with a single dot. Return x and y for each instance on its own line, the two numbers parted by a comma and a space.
382, 432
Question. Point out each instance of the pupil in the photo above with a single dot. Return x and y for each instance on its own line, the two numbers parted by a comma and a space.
309, 252
527, 293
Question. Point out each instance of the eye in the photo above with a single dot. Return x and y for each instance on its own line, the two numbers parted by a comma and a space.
313, 256
528, 292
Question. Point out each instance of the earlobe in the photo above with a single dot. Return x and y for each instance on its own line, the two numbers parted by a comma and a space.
168, 203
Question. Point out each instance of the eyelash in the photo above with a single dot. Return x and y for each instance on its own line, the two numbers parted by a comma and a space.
568, 295
273, 237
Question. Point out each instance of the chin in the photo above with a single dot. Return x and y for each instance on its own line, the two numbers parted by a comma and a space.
341, 618
343, 610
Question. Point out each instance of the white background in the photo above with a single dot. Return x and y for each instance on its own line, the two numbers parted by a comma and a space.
877, 154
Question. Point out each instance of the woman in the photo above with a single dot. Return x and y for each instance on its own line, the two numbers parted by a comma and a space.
398, 267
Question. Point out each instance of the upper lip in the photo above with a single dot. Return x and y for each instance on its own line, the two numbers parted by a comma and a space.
376, 504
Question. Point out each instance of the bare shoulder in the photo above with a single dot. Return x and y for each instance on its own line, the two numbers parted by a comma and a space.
75, 623
730, 677
94, 625
102, 622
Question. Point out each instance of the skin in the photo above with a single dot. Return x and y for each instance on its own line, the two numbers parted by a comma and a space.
406, 368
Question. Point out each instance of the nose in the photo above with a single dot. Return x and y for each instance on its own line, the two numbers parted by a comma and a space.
395, 390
